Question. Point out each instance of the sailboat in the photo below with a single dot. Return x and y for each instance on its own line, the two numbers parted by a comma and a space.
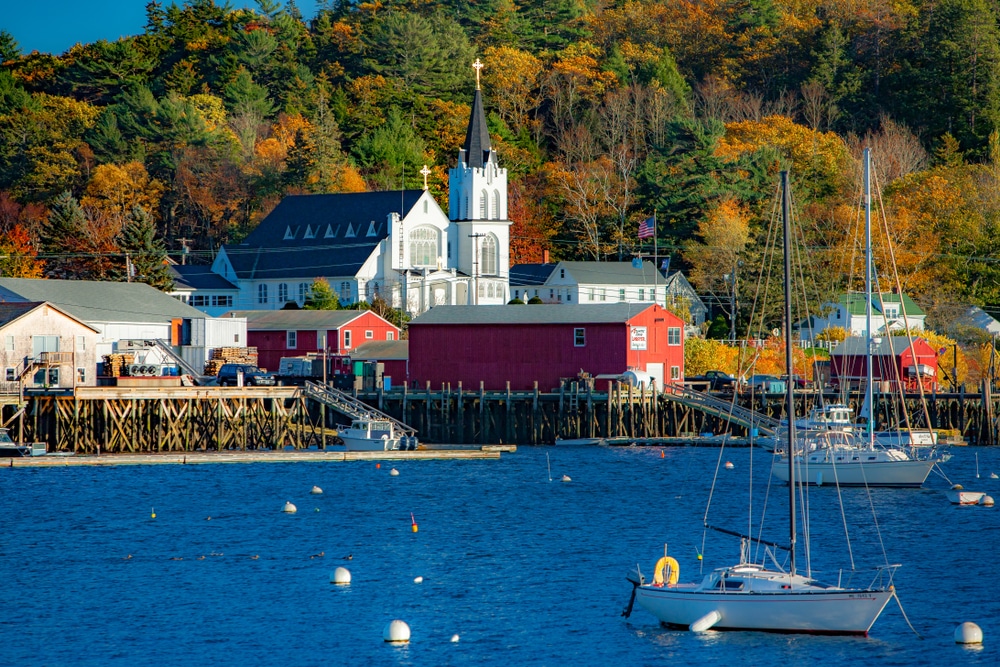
748, 595
850, 458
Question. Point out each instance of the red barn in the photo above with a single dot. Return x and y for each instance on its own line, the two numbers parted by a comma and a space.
525, 343
294, 333
893, 361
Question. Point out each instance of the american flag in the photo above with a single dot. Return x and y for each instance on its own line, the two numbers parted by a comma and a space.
647, 228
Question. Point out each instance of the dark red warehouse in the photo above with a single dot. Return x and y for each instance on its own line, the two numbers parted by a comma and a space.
525, 343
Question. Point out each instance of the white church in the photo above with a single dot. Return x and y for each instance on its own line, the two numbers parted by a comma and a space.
397, 244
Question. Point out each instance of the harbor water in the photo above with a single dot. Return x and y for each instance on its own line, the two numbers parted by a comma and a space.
525, 568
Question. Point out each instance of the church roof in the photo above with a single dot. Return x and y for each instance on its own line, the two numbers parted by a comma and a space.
309, 236
195, 277
477, 137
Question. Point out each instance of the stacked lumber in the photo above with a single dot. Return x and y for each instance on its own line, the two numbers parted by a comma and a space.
230, 355
116, 365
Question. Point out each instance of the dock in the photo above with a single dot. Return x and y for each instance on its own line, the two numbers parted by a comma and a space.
487, 453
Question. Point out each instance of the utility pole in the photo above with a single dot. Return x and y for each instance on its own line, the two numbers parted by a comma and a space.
184, 249
475, 264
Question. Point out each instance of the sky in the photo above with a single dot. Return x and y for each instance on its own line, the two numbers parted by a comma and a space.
53, 26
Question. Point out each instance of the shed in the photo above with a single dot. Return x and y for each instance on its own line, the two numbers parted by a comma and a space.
894, 361
290, 333
522, 344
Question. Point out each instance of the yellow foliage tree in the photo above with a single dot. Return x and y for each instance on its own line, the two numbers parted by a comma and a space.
114, 190
512, 83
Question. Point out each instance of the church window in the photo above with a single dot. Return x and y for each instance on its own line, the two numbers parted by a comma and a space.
310, 234
282, 293
482, 289
423, 246
350, 231
483, 199
289, 234
329, 232
303, 292
489, 255
262, 294
345, 292
425, 206
496, 205
372, 230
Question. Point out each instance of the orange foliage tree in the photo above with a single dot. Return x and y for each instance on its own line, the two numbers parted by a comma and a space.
18, 256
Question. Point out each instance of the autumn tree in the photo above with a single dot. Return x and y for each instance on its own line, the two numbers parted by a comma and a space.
321, 296
18, 256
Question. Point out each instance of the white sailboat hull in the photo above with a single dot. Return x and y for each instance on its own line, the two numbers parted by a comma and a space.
838, 611
877, 473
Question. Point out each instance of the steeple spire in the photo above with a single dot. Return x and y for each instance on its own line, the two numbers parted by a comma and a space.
477, 138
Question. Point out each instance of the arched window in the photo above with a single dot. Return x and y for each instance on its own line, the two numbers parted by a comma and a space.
496, 205
423, 247
282, 292
489, 256
484, 198
262, 293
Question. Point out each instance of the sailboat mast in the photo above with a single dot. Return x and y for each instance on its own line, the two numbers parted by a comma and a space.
869, 375
790, 386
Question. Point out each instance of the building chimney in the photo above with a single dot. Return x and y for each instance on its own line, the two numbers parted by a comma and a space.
545, 256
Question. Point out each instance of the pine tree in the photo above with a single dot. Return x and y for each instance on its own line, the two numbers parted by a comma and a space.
145, 255
322, 297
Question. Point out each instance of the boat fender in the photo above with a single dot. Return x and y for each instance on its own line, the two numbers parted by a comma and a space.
671, 576
706, 622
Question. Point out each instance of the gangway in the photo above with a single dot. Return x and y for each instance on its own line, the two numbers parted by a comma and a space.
351, 407
728, 410
188, 369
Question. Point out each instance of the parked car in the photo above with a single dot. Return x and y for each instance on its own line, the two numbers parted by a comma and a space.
252, 376
717, 380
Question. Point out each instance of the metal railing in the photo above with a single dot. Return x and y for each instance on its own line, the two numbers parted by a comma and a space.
350, 406
722, 408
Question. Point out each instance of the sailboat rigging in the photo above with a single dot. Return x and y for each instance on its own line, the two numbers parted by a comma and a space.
843, 456
748, 595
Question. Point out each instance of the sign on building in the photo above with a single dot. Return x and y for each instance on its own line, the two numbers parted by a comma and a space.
638, 338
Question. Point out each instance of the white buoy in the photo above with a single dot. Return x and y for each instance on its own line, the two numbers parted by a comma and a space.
968, 633
993, 475
987, 501
394, 472
290, 508
706, 621
341, 576
729, 465
454, 639
418, 580
396, 632
566, 478
316, 491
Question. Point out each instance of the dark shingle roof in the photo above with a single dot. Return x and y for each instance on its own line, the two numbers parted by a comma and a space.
319, 235
531, 314
530, 274
191, 276
11, 311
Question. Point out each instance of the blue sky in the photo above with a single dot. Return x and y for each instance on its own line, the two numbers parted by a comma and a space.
53, 26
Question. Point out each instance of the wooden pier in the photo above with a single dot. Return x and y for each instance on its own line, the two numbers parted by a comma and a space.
189, 419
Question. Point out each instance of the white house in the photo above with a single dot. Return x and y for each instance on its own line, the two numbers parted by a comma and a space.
890, 312
589, 283
399, 245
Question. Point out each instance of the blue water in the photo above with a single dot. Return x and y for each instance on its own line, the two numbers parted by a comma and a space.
526, 571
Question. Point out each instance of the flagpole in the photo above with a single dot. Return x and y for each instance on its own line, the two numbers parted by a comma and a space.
656, 260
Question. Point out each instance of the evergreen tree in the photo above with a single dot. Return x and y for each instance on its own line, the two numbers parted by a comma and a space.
322, 296
144, 254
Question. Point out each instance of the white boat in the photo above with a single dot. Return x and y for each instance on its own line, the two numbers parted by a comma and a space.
11, 449
375, 435
750, 596
858, 457
579, 442
959, 496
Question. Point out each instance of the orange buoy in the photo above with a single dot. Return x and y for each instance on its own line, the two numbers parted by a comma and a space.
662, 455
377, 466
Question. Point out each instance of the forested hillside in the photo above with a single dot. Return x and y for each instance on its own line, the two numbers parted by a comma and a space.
604, 113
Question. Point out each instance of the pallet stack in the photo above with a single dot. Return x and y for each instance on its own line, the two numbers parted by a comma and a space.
230, 355
116, 365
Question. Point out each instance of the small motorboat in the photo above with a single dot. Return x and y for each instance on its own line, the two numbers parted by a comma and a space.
376, 435
10, 449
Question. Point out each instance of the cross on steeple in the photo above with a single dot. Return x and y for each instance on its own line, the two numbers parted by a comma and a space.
477, 66
426, 172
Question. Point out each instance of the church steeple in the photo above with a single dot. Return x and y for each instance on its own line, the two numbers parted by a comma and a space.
477, 137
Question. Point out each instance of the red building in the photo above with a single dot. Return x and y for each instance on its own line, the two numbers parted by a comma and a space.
893, 361
525, 343
295, 333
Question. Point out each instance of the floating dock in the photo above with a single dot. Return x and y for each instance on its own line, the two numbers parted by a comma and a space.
487, 452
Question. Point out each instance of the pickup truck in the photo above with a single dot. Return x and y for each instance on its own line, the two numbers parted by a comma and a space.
717, 380
252, 376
